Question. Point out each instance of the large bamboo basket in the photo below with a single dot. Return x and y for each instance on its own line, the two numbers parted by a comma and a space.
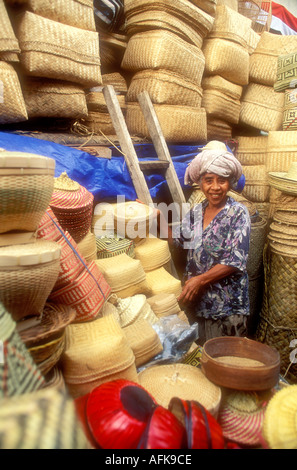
8, 40
253, 41
222, 58
252, 150
281, 150
96, 101
155, 19
183, 10
55, 50
218, 129
250, 9
98, 123
262, 107
117, 80
27, 275
178, 123
221, 98
160, 49
27, 184
13, 108
256, 183
165, 87
54, 98
278, 325
78, 13
264, 60
290, 120
207, 5
220, 105
231, 25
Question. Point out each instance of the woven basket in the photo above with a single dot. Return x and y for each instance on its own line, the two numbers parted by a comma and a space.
286, 72
218, 129
27, 275
117, 80
290, 99
253, 41
207, 5
72, 205
87, 247
79, 13
110, 247
218, 83
26, 183
222, 58
36, 420
281, 150
86, 294
155, 19
112, 49
94, 351
143, 340
264, 60
231, 25
13, 108
259, 229
256, 183
54, 98
8, 40
165, 87
278, 326
121, 271
221, 106
249, 9
190, 14
178, 123
160, 281
96, 101
153, 253
98, 123
262, 108
290, 120
280, 200
61, 52
160, 49
252, 150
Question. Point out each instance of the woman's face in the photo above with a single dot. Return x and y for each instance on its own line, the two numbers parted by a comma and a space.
215, 189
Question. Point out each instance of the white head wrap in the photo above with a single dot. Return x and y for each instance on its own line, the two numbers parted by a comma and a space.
217, 161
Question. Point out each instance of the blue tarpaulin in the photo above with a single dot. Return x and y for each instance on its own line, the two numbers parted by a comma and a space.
104, 178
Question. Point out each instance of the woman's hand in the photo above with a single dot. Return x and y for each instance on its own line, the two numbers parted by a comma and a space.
191, 289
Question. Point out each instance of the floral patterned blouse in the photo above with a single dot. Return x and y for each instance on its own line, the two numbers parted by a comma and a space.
224, 241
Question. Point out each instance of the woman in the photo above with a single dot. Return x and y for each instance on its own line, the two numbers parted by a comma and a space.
216, 234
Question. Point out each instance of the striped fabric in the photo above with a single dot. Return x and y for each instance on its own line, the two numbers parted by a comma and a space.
18, 372
108, 14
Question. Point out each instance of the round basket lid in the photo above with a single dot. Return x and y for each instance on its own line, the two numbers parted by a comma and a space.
25, 160
39, 252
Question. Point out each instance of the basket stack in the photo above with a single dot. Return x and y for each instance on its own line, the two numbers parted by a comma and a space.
278, 319
227, 45
72, 204
286, 83
59, 56
98, 120
80, 285
262, 106
96, 352
165, 59
13, 108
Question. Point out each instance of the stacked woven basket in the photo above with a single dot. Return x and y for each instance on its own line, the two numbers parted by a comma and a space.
165, 57
57, 46
278, 319
262, 106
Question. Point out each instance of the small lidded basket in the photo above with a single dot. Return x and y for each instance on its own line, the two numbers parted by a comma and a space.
26, 187
28, 273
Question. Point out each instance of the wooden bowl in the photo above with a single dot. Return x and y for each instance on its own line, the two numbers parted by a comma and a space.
240, 363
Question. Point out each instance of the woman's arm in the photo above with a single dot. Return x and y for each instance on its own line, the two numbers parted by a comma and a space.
193, 286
